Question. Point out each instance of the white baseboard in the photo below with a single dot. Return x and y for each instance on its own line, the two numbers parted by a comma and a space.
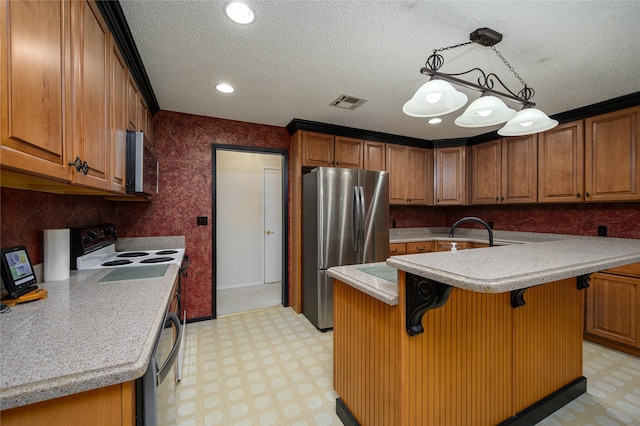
230, 286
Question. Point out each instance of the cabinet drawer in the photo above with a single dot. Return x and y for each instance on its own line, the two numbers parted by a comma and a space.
446, 245
397, 248
632, 270
420, 247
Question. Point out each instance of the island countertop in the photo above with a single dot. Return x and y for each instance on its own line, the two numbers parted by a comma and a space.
513, 267
86, 335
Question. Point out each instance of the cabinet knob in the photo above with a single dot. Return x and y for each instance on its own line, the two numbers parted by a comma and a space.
501, 198
588, 195
80, 166
578, 195
497, 199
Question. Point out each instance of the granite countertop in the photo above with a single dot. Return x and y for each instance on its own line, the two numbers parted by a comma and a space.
85, 335
515, 265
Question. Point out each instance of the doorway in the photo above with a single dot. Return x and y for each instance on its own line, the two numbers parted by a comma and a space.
249, 187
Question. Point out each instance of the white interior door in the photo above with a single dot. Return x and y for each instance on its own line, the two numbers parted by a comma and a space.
272, 225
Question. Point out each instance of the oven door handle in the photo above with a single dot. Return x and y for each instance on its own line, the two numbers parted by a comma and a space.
168, 363
185, 264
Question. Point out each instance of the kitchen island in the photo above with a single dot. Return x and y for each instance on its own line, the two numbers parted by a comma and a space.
489, 336
80, 350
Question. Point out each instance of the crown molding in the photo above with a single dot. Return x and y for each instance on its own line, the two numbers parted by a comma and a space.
117, 23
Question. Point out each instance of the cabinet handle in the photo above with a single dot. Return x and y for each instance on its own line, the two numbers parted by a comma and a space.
497, 199
337, 163
578, 195
588, 195
501, 198
80, 166
421, 248
395, 250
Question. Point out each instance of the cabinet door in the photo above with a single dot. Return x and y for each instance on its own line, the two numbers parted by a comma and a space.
118, 122
317, 149
419, 170
486, 161
613, 308
142, 115
450, 164
374, 156
612, 157
396, 166
561, 164
91, 82
519, 170
446, 245
348, 152
35, 87
133, 95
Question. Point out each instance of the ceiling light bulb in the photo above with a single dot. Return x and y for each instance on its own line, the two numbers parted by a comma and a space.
239, 12
432, 98
225, 88
484, 112
435, 120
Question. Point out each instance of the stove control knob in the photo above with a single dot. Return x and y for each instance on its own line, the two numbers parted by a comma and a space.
88, 239
111, 231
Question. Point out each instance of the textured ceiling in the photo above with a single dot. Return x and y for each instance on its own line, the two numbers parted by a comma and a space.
298, 56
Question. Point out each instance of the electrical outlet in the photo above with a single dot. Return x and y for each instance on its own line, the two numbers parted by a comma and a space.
202, 220
602, 231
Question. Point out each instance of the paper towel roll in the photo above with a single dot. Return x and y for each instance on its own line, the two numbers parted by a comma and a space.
57, 254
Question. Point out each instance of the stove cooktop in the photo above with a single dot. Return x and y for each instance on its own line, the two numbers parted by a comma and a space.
108, 257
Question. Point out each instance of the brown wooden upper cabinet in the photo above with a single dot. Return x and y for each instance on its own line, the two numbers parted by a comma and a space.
91, 142
450, 175
375, 156
36, 87
118, 123
561, 164
321, 150
612, 157
504, 171
56, 90
410, 175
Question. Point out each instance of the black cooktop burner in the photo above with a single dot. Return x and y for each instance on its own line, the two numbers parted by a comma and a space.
157, 260
166, 252
117, 262
133, 254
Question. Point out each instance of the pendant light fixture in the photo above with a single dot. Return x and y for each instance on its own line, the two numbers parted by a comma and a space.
438, 97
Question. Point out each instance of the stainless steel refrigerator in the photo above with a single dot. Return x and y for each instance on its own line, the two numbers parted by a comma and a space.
345, 221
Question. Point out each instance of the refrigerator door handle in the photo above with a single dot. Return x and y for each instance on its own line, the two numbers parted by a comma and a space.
355, 226
362, 225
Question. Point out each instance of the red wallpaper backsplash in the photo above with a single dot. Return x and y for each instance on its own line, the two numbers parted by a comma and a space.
621, 219
183, 148
24, 214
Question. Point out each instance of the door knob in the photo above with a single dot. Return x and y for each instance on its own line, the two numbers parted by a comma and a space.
270, 232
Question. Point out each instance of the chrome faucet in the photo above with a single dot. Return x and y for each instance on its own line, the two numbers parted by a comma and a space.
473, 219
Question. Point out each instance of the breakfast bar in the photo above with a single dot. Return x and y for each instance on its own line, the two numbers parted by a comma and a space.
487, 336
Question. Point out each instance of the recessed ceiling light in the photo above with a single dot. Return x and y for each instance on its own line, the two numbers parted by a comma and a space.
239, 11
435, 120
225, 88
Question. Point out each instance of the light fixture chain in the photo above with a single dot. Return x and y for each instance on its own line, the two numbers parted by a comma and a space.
451, 47
509, 66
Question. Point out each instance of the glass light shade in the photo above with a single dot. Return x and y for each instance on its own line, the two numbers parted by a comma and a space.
239, 12
527, 122
435, 97
485, 111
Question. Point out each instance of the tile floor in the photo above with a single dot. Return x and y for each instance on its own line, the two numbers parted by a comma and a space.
273, 367
242, 299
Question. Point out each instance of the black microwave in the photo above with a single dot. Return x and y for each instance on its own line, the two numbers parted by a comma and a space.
142, 165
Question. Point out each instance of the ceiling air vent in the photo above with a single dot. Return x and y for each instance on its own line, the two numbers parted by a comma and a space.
347, 102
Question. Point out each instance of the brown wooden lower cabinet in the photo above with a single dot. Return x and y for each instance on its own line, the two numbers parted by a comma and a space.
479, 360
420, 247
612, 307
109, 406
